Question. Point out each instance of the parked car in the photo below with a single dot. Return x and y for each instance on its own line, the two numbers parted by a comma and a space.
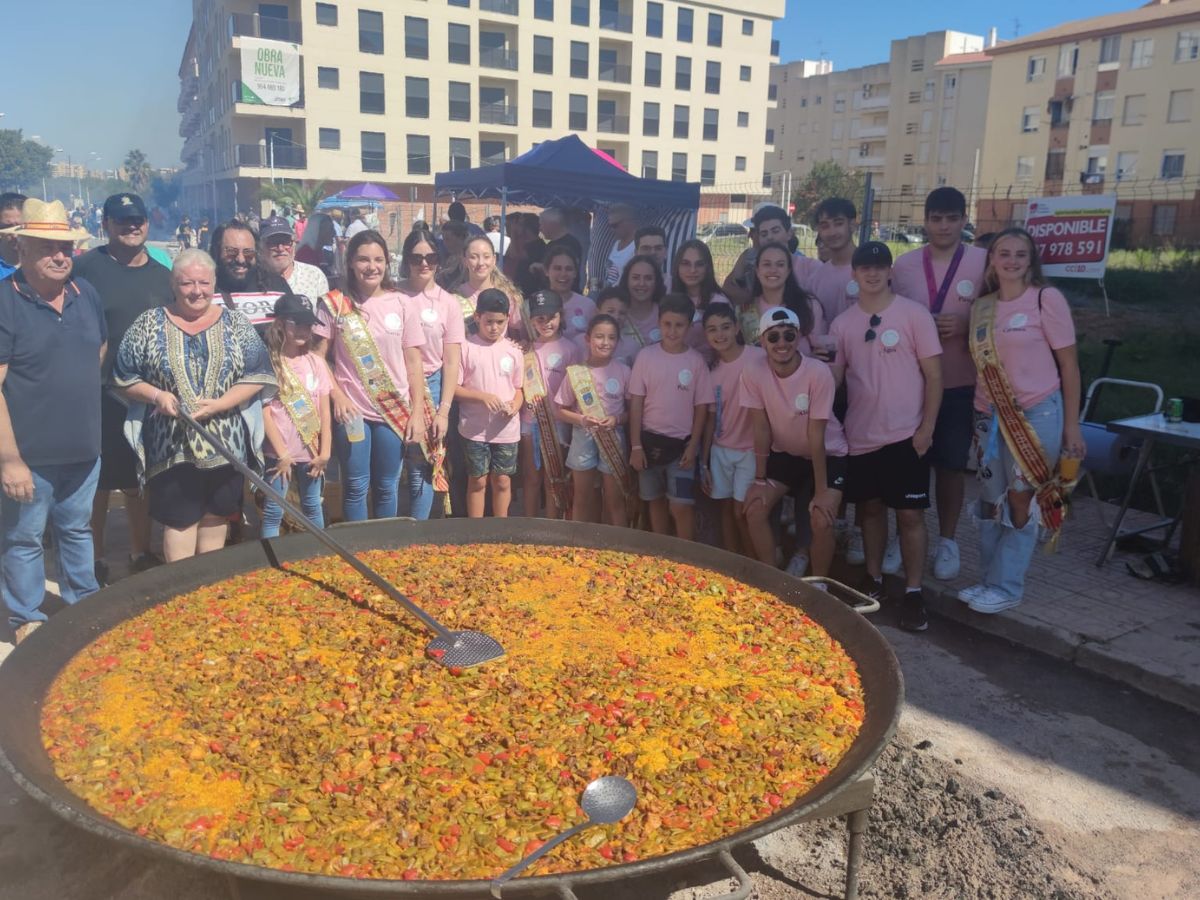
725, 230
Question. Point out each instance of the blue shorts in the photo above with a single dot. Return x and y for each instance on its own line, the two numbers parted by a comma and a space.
484, 458
584, 454
954, 429
677, 483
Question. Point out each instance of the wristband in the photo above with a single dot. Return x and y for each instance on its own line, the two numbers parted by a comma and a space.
154, 399
635, 447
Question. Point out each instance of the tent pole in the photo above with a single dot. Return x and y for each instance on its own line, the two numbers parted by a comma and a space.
503, 221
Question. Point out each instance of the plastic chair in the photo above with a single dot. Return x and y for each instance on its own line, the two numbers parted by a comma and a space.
1114, 454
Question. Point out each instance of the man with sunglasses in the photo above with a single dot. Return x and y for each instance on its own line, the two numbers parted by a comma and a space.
242, 284
889, 353
10, 217
129, 282
277, 249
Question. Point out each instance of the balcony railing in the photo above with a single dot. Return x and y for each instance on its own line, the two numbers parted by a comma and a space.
612, 124
612, 21
508, 7
285, 156
266, 27
497, 114
616, 74
498, 58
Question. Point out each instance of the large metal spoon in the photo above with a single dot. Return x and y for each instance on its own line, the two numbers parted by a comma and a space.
606, 800
453, 649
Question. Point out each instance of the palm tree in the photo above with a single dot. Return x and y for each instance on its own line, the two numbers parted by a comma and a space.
293, 194
137, 170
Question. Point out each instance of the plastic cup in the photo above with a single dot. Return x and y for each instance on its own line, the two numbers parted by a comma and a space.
824, 347
1068, 467
356, 429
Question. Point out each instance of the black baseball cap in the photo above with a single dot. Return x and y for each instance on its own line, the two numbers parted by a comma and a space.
125, 206
491, 300
872, 253
296, 307
275, 226
545, 303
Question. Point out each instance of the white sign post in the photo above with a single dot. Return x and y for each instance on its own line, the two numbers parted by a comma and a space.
1072, 235
270, 72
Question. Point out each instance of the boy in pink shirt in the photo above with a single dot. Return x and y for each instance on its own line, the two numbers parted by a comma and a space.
490, 396
669, 391
890, 355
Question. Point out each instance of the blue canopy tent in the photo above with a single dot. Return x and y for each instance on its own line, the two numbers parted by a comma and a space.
568, 173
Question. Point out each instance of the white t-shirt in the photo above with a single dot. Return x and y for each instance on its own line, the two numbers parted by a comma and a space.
499, 242
355, 227
618, 259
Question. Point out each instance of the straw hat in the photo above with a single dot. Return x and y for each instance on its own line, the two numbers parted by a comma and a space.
46, 220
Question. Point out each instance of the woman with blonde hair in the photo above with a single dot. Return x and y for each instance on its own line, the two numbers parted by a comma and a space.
481, 273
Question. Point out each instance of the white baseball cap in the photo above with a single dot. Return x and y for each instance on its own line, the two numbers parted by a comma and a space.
776, 316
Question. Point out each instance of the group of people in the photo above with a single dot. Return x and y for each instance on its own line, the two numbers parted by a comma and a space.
835, 382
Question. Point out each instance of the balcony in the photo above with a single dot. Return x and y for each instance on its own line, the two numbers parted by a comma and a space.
612, 124
874, 131
498, 58
615, 74
775, 51
286, 156
497, 114
614, 21
507, 7
867, 162
266, 27
874, 102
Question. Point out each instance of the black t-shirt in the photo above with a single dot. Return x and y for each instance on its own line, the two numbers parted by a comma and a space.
126, 292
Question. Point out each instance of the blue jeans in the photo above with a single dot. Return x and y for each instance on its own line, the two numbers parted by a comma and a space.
417, 469
1006, 551
62, 498
373, 463
309, 490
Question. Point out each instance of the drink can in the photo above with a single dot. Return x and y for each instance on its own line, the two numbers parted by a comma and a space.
1174, 410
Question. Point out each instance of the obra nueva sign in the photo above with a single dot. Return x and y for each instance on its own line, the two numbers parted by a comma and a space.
270, 72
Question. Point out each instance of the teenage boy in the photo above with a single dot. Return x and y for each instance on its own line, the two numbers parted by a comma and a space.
890, 356
947, 275
490, 396
669, 391
831, 282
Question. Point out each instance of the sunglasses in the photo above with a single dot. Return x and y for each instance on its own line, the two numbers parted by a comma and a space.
281, 242
244, 254
876, 321
429, 259
134, 221
787, 335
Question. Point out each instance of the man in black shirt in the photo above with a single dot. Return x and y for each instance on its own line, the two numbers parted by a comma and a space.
241, 283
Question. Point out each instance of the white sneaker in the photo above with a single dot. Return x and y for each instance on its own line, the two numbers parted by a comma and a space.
855, 555
891, 558
946, 563
967, 594
798, 564
992, 600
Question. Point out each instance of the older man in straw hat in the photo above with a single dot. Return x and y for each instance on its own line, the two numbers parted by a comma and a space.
52, 341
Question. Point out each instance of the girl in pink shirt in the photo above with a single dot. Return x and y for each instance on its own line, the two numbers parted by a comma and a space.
642, 281
614, 302
562, 268
479, 263
775, 285
727, 457
693, 275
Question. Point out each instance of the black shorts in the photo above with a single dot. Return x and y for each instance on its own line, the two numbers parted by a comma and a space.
893, 474
952, 433
796, 472
183, 495
118, 462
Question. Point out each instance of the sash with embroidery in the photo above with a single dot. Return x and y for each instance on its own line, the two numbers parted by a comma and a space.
1051, 491
546, 434
610, 448
467, 305
301, 408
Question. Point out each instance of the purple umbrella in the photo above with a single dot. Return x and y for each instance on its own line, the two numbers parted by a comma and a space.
367, 191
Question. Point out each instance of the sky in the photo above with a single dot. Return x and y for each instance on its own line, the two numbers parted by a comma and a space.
117, 83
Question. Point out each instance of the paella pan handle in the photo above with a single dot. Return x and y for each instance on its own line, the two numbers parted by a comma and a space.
856, 600
450, 648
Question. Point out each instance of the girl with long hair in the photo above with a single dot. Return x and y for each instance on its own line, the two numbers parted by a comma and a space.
642, 281
775, 285
692, 274
481, 273
562, 270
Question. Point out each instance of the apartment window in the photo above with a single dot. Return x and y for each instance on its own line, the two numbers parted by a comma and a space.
683, 25
1134, 112
930, 87
1035, 68
416, 37
1163, 222
459, 48
926, 121
1102, 107
654, 21
1110, 50
460, 153
650, 164
1179, 106
329, 138
708, 170
683, 117
578, 113
1142, 54
370, 93
650, 119
581, 12
579, 59
653, 70
463, 3
744, 120
1187, 46
1029, 119
1024, 167
460, 101
543, 9
374, 151
416, 98
326, 14
1126, 166
817, 101
744, 73
679, 167
328, 78
1060, 113
370, 31
839, 102
747, 27
419, 162
716, 29
683, 73
712, 78
1068, 60
1172, 164
543, 109
949, 87
492, 153
739, 164
1097, 164
543, 55
711, 124
1056, 165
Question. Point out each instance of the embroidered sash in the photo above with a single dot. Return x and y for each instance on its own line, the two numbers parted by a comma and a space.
546, 434
610, 448
1051, 491
301, 408
467, 305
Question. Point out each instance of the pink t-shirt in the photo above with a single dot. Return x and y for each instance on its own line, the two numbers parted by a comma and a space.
442, 321
695, 336
673, 385
553, 358
612, 383
884, 383
312, 372
495, 369
792, 401
626, 351
515, 324
833, 286
734, 429
908, 280
647, 326
1026, 339
577, 312
394, 325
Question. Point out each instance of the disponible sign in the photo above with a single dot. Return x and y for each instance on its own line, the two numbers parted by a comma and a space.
270, 72
1072, 233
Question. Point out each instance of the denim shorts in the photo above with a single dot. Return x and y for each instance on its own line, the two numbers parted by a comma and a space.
677, 483
584, 454
732, 472
484, 458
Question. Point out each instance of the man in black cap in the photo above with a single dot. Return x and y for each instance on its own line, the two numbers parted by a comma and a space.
277, 245
129, 283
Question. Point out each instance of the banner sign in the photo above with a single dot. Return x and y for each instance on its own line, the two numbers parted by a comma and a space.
1072, 233
270, 72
